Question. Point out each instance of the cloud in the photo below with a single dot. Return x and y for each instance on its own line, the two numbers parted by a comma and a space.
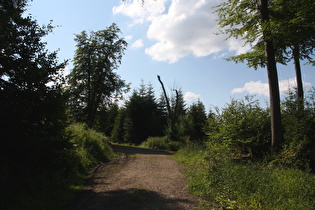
259, 88
252, 87
128, 37
137, 44
186, 27
140, 12
190, 96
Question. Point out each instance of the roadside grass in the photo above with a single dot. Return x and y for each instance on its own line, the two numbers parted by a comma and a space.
89, 146
58, 179
227, 184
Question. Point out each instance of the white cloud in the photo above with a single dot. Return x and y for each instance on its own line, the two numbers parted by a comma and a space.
128, 37
141, 12
259, 88
137, 44
286, 85
252, 87
186, 27
190, 96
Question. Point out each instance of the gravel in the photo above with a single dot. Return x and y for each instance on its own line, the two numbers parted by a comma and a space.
139, 179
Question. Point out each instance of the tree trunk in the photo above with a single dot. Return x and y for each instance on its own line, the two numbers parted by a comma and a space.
166, 99
299, 83
275, 113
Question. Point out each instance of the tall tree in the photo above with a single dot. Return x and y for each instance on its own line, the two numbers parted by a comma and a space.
249, 19
30, 78
295, 28
93, 80
143, 116
32, 108
198, 116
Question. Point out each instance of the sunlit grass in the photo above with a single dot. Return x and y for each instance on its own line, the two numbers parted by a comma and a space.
247, 185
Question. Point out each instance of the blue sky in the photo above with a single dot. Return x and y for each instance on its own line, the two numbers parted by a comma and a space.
171, 38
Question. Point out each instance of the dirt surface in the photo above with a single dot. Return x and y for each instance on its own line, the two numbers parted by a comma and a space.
140, 179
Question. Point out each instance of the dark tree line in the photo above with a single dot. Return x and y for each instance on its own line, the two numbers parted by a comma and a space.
32, 108
32, 104
143, 116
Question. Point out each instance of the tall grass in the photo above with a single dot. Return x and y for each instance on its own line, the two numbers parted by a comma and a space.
227, 184
89, 147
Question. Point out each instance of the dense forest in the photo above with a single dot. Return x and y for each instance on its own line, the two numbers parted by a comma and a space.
55, 128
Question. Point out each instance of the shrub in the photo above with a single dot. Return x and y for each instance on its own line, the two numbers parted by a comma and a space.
161, 143
90, 147
243, 125
299, 133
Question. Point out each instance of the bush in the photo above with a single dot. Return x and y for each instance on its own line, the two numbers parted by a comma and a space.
299, 132
41, 176
89, 147
243, 125
161, 143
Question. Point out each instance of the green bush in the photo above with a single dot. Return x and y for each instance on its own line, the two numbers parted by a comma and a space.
243, 125
161, 143
299, 133
89, 147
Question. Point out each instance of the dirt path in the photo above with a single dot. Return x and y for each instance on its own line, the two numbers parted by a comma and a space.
148, 179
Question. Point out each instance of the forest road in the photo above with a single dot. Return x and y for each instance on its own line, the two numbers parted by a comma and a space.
142, 179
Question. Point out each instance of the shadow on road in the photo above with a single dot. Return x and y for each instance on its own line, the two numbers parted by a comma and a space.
136, 150
130, 199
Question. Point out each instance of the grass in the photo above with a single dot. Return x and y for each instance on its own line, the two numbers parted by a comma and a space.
246, 185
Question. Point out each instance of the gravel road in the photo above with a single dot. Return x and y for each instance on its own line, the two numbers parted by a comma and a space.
142, 179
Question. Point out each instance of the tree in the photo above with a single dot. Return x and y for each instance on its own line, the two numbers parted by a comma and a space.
107, 117
177, 122
143, 116
32, 108
295, 26
32, 104
250, 19
93, 81
293, 34
118, 132
197, 114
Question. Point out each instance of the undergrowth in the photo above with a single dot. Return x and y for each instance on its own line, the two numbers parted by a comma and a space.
161, 143
229, 184
52, 179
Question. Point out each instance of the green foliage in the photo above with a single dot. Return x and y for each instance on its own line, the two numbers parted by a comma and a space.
143, 116
32, 117
197, 114
181, 130
239, 185
179, 125
90, 147
299, 123
93, 82
106, 118
243, 125
118, 132
161, 143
